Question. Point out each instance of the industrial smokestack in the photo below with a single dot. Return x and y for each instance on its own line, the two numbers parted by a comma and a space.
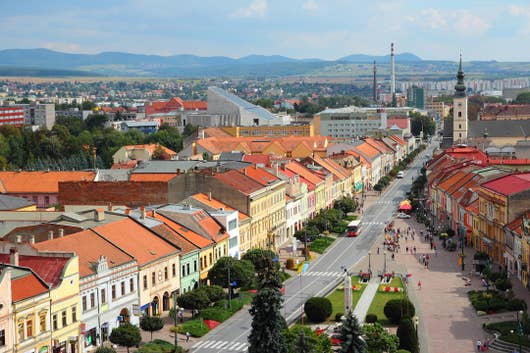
392, 72
375, 83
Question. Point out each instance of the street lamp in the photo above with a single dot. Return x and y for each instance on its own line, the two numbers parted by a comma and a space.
175, 308
461, 230
519, 329
384, 267
369, 262
305, 240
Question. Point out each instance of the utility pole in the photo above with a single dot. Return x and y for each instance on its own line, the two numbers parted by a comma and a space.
175, 316
229, 286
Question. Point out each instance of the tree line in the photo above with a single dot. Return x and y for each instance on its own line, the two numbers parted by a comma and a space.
70, 144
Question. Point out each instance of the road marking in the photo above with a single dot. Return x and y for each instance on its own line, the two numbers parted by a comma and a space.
224, 345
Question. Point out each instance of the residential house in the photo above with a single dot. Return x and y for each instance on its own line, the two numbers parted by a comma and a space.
518, 231
11, 203
315, 184
142, 153
7, 325
108, 284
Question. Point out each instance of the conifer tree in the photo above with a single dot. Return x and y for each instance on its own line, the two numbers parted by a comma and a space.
350, 334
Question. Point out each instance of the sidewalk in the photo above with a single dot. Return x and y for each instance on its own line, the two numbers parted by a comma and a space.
361, 309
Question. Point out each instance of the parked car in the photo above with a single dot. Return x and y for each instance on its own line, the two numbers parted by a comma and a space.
403, 215
400, 174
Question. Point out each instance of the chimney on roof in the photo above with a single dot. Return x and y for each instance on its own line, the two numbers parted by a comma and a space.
144, 213
18, 238
60, 233
276, 169
32, 239
209, 195
13, 256
109, 207
50, 235
99, 215
245, 171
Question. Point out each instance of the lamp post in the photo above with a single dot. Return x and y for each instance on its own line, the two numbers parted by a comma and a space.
461, 230
229, 285
384, 266
519, 329
305, 240
175, 316
369, 262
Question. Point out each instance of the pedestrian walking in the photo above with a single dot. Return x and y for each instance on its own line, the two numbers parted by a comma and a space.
432, 245
187, 336
393, 256
407, 248
487, 343
377, 250
419, 285
427, 258
414, 249
479, 345
181, 315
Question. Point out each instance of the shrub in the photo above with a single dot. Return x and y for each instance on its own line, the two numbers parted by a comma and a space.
105, 350
371, 318
481, 255
408, 337
194, 299
503, 284
451, 246
396, 309
214, 293
318, 309
402, 351
494, 276
215, 313
157, 346
289, 263
516, 304
338, 317
195, 327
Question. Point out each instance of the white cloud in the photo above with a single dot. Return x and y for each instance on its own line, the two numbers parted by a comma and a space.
310, 5
63, 47
521, 11
257, 8
461, 21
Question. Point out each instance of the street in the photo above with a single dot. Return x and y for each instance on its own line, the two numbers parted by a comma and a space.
324, 273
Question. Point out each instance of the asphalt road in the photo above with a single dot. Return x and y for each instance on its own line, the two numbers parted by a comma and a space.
323, 274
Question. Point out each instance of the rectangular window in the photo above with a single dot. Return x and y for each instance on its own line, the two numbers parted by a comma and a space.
211, 260
113, 291
174, 270
92, 300
188, 268
183, 271
131, 285
103, 296
194, 265
232, 224
122, 288
153, 278
2, 338
165, 273
29, 328
145, 282
83, 303
64, 319
42, 323
74, 314
20, 330
54, 322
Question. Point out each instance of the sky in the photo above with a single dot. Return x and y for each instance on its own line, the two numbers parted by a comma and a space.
325, 29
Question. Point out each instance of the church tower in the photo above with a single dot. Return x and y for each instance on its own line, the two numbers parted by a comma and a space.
460, 108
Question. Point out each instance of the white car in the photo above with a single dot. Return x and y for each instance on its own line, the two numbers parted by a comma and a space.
400, 174
403, 215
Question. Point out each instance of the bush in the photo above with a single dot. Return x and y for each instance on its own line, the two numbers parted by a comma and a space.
194, 299
503, 284
105, 350
370, 318
397, 309
289, 263
157, 346
494, 276
215, 313
318, 309
516, 304
338, 317
402, 351
408, 337
481, 255
195, 327
451, 246
214, 293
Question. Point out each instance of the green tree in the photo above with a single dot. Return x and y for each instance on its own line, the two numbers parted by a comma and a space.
257, 258
522, 98
96, 121
350, 334
241, 272
419, 122
151, 324
194, 300
189, 129
408, 337
105, 350
396, 309
126, 335
378, 339
309, 343
346, 204
318, 309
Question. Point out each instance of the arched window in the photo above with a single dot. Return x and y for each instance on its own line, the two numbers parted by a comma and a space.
165, 302
459, 114
459, 126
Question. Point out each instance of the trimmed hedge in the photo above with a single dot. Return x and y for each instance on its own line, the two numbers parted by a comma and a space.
370, 318
397, 309
318, 309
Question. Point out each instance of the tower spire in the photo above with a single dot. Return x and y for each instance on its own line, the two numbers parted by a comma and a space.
375, 82
460, 88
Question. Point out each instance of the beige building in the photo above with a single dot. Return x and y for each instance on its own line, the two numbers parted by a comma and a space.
6, 312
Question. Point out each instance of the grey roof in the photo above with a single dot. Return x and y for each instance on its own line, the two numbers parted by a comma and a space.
498, 128
8, 203
86, 219
231, 156
133, 123
243, 104
165, 166
112, 175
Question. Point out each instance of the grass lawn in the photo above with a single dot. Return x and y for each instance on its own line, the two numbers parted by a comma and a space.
320, 244
337, 298
504, 328
381, 298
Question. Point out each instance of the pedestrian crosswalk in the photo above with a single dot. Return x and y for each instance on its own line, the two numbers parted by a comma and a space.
220, 346
375, 223
324, 274
386, 202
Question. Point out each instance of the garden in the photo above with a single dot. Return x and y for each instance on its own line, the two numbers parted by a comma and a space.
509, 330
384, 294
337, 298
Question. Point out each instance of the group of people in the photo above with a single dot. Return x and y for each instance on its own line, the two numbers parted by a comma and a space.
483, 347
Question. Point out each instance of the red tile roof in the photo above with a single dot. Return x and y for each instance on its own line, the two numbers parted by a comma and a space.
48, 268
260, 175
239, 181
214, 203
136, 240
88, 246
257, 159
26, 286
152, 176
187, 233
509, 184
305, 173
402, 123
39, 182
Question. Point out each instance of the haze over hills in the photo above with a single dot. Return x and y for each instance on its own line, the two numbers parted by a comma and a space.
45, 62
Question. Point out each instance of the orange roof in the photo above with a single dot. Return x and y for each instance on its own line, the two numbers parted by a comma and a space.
215, 132
187, 233
299, 169
195, 105
136, 240
151, 148
152, 176
238, 181
175, 238
88, 246
39, 182
26, 286
449, 182
332, 167
260, 175
214, 203
200, 222
398, 140
369, 150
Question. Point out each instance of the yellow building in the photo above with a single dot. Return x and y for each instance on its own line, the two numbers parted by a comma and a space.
270, 131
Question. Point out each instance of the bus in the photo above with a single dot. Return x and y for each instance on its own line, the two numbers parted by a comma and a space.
353, 229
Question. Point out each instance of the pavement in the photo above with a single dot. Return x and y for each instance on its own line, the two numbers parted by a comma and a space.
361, 309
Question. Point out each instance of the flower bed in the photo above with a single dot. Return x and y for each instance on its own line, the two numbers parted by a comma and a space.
384, 288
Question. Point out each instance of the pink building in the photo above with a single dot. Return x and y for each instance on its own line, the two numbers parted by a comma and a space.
6, 312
